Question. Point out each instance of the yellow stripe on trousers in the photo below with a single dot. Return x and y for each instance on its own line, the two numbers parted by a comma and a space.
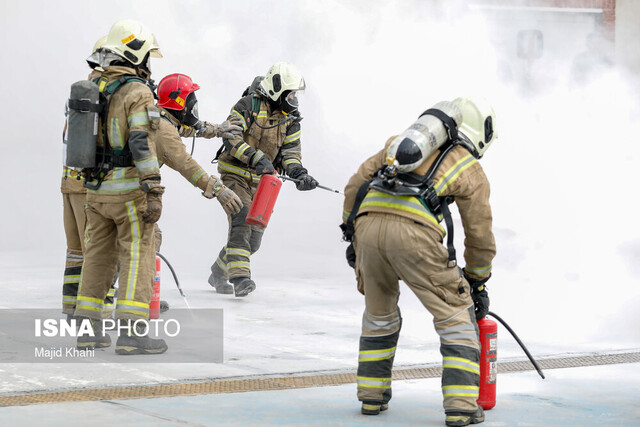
134, 260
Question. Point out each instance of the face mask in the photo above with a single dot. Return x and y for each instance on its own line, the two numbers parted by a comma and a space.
191, 116
290, 104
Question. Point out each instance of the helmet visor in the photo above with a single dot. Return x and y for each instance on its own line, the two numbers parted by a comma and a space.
155, 53
292, 99
290, 103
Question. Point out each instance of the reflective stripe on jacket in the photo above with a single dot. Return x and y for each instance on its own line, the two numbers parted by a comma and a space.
128, 123
279, 143
461, 176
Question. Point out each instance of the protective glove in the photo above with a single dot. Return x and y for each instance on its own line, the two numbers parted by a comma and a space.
154, 201
479, 295
207, 130
306, 182
351, 256
229, 200
186, 131
261, 164
264, 166
230, 128
227, 129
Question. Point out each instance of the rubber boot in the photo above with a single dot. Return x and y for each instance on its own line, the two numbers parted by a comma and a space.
218, 280
88, 342
464, 418
164, 306
137, 341
243, 286
371, 407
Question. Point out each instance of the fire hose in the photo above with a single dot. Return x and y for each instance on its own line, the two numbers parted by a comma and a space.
533, 361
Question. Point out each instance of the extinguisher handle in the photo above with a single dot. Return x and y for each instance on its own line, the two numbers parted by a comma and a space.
533, 361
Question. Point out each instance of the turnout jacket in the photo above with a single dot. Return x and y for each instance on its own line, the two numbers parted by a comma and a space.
280, 143
70, 184
130, 121
172, 152
461, 176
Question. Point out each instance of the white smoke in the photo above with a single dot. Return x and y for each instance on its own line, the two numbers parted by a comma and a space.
562, 170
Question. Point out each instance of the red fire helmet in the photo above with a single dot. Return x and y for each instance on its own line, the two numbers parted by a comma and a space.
174, 89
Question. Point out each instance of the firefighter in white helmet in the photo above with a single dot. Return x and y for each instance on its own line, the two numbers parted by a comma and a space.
124, 196
74, 218
270, 118
398, 236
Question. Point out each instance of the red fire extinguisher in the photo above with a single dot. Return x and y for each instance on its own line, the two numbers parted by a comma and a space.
154, 305
488, 362
264, 200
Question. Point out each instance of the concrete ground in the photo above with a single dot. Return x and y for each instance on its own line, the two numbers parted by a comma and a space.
587, 396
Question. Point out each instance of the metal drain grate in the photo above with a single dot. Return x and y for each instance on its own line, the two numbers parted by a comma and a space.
264, 383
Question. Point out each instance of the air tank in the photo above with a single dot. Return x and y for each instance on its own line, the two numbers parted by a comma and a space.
423, 137
82, 125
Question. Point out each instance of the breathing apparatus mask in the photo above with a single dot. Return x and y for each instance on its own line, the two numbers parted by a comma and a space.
288, 102
191, 116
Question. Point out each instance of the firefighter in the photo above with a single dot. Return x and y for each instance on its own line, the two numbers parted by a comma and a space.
74, 219
397, 237
178, 107
124, 196
268, 112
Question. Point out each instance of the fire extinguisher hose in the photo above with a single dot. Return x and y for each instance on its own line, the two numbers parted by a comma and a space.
533, 361
175, 277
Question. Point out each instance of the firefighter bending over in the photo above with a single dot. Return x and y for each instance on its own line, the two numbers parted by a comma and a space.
404, 194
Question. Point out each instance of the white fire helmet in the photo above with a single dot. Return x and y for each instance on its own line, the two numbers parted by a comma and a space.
281, 77
99, 44
132, 40
478, 123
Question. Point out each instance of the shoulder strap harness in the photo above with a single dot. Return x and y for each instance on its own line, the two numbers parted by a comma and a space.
106, 157
410, 184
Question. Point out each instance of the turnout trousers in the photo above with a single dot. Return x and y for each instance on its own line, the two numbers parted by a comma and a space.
390, 248
243, 239
115, 232
74, 220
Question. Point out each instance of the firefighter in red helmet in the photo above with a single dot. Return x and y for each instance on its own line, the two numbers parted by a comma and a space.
178, 107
